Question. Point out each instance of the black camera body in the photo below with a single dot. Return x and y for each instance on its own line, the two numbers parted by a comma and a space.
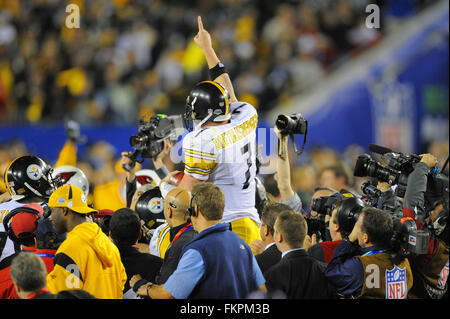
396, 171
318, 227
324, 205
149, 139
407, 240
294, 124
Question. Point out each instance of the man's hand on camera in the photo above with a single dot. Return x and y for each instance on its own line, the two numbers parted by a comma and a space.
125, 160
383, 186
429, 159
281, 137
158, 160
353, 237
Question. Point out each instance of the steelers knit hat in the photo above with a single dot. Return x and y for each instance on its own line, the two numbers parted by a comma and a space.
72, 197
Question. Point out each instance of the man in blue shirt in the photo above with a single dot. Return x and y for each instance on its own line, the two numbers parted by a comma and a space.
216, 263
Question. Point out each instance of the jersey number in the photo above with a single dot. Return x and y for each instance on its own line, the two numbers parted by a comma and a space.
247, 149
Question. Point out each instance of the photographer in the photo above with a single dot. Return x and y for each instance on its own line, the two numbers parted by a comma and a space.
158, 162
362, 266
324, 250
388, 201
414, 201
422, 198
288, 195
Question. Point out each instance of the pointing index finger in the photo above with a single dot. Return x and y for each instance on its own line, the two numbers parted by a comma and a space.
200, 23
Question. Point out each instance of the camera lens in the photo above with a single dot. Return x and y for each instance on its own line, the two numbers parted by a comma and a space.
137, 141
284, 123
366, 166
348, 213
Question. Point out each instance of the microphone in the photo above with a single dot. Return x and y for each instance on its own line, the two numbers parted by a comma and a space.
379, 149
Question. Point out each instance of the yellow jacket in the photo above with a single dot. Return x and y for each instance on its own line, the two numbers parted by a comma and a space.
88, 260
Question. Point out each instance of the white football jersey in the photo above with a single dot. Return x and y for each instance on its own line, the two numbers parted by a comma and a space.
8, 248
226, 156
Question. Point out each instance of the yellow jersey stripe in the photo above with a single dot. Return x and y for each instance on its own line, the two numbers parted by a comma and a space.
198, 169
194, 162
199, 153
161, 237
195, 171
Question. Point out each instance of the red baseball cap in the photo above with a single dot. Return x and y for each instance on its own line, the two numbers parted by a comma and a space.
25, 223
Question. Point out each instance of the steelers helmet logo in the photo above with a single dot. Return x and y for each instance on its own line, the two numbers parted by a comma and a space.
34, 172
155, 205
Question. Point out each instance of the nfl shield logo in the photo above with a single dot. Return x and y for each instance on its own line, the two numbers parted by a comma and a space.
396, 283
443, 276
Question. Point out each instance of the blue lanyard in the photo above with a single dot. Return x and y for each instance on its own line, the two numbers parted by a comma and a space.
372, 252
45, 255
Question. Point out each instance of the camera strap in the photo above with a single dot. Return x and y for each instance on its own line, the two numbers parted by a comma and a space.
445, 164
295, 145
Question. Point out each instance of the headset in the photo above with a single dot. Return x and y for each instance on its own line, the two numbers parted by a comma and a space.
24, 209
191, 210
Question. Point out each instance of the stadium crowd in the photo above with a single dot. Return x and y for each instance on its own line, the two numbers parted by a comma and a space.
131, 58
101, 225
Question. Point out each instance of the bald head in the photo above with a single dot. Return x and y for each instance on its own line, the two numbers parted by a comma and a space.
176, 204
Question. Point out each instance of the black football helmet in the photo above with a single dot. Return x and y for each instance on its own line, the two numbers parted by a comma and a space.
207, 102
28, 176
150, 208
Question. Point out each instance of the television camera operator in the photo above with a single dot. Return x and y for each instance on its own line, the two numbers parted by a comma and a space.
427, 202
422, 234
365, 266
155, 139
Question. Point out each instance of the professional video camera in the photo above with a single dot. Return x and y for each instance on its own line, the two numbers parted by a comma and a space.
407, 240
291, 125
148, 142
398, 167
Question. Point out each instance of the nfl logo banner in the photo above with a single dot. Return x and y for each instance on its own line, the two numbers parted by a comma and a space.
396, 287
443, 276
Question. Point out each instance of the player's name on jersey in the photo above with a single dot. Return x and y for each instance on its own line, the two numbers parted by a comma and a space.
235, 134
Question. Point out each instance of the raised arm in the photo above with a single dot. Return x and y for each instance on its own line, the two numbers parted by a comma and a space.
284, 170
203, 41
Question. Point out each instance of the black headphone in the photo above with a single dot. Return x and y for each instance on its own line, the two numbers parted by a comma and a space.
191, 210
23, 209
